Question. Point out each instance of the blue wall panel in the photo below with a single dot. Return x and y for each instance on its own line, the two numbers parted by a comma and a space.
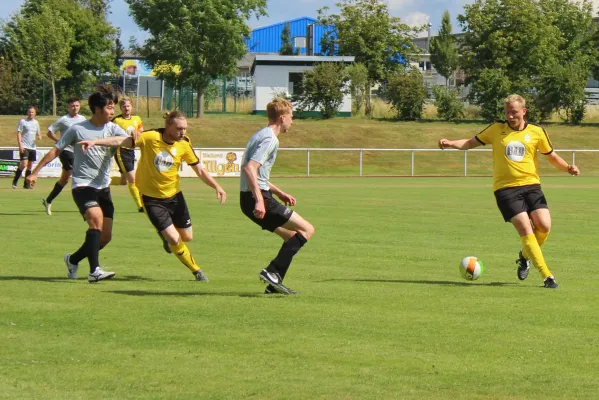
268, 39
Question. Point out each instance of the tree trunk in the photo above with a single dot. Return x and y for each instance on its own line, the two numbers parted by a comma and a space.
200, 102
53, 97
368, 103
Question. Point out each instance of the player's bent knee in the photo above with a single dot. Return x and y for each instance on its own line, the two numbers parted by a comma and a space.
307, 231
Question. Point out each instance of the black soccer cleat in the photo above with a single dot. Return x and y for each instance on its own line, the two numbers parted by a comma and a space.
274, 280
165, 244
271, 290
550, 283
523, 266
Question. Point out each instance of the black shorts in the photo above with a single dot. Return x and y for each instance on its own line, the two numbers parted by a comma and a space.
67, 158
28, 155
276, 216
166, 212
125, 159
515, 200
88, 197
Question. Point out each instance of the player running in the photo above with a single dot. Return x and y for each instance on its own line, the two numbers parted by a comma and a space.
27, 131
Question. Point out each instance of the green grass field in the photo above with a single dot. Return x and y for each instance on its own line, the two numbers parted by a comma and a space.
382, 314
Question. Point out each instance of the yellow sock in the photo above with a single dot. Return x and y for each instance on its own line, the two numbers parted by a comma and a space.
181, 251
531, 246
135, 194
541, 239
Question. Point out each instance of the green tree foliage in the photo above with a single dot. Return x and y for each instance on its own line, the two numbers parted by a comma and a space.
11, 87
528, 47
364, 29
444, 53
204, 38
406, 94
358, 79
449, 105
286, 45
322, 89
44, 46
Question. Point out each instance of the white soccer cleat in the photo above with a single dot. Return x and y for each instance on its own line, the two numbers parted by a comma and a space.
48, 206
71, 267
99, 275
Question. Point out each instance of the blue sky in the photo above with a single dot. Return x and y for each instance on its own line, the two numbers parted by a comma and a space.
413, 12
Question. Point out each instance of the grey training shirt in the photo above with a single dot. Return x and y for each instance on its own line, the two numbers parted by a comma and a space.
28, 129
261, 148
91, 168
65, 122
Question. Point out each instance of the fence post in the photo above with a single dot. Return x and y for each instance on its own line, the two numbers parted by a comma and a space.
412, 162
308, 162
361, 151
573, 157
465, 163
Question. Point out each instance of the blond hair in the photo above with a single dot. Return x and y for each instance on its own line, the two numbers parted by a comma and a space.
170, 116
515, 98
123, 100
278, 107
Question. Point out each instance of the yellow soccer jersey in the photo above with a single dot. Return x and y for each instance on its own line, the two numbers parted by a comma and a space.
158, 167
515, 160
130, 125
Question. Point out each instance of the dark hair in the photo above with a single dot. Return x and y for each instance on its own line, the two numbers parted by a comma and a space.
72, 100
102, 97
169, 117
30, 107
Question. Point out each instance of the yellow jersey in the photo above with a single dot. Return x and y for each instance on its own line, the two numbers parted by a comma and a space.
131, 125
158, 167
515, 160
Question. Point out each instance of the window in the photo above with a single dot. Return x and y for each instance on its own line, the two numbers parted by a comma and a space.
295, 82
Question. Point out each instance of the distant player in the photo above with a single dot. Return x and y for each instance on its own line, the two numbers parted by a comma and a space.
27, 131
125, 158
66, 156
516, 180
162, 151
91, 181
257, 201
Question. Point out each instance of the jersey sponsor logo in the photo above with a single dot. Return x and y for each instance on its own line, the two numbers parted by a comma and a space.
163, 161
515, 151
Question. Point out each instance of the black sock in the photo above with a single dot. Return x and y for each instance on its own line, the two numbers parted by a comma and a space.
93, 256
26, 184
289, 249
18, 173
55, 192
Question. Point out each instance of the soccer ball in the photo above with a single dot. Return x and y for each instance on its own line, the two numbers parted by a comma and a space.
471, 268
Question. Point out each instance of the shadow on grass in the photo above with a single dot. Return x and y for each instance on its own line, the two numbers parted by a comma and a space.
448, 283
22, 213
185, 294
65, 279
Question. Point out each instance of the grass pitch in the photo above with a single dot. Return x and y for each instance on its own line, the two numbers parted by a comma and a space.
382, 312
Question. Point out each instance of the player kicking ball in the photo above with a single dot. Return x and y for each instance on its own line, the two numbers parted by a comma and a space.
91, 181
157, 178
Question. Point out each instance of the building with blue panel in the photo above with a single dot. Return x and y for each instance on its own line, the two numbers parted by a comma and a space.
305, 36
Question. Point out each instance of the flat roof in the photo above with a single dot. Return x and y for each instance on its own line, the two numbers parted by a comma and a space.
302, 59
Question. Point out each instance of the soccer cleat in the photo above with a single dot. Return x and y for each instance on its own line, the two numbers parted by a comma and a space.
99, 275
200, 276
550, 283
140, 209
165, 244
274, 280
523, 266
72, 268
48, 206
271, 290
14, 186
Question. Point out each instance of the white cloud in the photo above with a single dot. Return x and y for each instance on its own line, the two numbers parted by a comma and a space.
416, 19
397, 4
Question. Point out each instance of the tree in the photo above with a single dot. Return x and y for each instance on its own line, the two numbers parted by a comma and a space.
406, 94
322, 89
118, 49
444, 53
11, 86
44, 46
358, 79
204, 38
526, 47
364, 29
286, 45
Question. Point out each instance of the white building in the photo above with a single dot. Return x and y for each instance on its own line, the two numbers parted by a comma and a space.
275, 75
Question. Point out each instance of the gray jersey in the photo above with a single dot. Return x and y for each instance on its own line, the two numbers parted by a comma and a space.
65, 122
29, 129
92, 167
261, 148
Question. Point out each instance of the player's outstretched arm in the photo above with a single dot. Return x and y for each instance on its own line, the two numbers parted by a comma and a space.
51, 155
210, 181
286, 198
115, 141
460, 144
561, 164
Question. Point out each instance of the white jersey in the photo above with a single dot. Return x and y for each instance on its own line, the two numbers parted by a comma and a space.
65, 122
262, 148
29, 129
92, 167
